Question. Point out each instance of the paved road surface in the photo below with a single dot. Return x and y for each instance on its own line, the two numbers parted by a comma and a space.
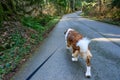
53, 62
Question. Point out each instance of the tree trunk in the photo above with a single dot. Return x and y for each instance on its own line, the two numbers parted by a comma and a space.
72, 5
100, 5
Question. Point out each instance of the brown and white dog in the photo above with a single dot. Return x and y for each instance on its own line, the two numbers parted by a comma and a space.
79, 45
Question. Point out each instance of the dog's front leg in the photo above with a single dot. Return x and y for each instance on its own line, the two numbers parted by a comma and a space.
67, 45
75, 55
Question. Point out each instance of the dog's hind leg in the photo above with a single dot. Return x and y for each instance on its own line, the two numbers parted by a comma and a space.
88, 64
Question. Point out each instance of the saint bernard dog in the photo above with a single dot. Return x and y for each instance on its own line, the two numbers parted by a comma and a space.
79, 45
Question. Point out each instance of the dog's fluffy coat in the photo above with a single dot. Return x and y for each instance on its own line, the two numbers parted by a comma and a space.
80, 46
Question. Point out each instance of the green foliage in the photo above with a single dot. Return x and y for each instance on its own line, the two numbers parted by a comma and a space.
38, 23
10, 8
1, 14
21, 42
62, 3
45, 19
36, 1
31, 22
116, 3
115, 13
17, 39
88, 7
12, 54
106, 10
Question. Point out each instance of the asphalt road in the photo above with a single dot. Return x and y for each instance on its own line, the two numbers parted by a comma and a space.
53, 62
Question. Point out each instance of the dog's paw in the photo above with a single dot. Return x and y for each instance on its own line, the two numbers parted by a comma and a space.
88, 72
74, 59
88, 75
72, 55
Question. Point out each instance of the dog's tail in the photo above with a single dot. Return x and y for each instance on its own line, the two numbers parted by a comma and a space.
83, 44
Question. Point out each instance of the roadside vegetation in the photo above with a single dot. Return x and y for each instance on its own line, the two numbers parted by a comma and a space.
25, 23
19, 40
102, 10
20, 35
